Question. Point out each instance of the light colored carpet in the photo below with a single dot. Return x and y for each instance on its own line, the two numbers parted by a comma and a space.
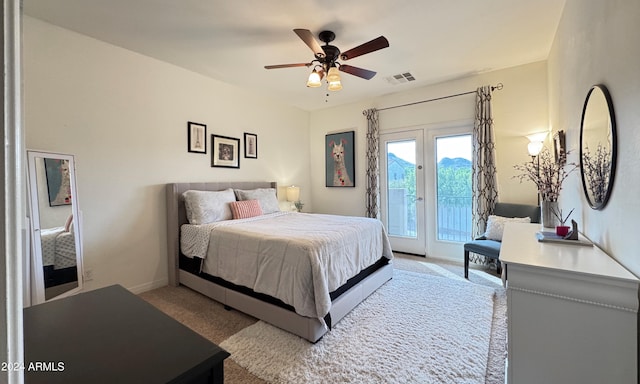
415, 329
478, 274
211, 320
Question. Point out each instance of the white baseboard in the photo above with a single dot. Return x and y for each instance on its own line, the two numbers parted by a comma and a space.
149, 286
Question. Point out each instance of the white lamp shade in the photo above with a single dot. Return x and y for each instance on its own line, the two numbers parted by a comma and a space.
536, 143
314, 80
293, 193
335, 86
534, 148
333, 75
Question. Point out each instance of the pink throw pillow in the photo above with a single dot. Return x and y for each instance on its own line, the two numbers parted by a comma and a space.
245, 209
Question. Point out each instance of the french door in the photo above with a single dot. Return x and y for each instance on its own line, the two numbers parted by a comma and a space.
426, 190
402, 190
449, 175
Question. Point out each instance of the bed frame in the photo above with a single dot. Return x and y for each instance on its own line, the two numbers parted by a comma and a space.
309, 328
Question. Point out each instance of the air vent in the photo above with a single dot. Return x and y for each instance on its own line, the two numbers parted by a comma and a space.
401, 78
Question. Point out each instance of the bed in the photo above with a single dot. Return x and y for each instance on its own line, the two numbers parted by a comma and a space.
331, 297
58, 256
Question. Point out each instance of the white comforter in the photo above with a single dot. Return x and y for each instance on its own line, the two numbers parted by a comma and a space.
58, 248
298, 258
48, 240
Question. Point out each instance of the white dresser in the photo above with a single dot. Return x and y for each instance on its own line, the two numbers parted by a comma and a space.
572, 312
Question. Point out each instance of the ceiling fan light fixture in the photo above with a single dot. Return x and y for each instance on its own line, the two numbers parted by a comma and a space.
335, 85
314, 80
333, 75
326, 59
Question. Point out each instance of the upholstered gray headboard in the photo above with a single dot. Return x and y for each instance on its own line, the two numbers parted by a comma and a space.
177, 215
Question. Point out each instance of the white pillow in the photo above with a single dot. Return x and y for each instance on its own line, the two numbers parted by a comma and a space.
265, 196
495, 225
205, 207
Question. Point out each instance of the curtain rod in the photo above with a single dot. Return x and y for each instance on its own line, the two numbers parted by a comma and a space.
498, 86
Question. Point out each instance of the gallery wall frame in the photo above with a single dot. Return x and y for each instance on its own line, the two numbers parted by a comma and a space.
340, 159
559, 147
58, 181
196, 137
250, 145
225, 151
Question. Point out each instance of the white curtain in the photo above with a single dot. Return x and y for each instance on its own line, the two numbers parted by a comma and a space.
373, 164
484, 184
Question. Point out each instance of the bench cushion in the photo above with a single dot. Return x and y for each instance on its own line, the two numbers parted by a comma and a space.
489, 248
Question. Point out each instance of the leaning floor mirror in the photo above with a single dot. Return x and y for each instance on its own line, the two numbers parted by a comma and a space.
56, 241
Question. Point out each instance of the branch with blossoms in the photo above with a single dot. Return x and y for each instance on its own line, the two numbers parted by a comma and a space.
547, 174
597, 171
558, 214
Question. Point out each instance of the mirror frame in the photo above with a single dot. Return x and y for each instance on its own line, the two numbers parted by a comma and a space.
612, 133
37, 263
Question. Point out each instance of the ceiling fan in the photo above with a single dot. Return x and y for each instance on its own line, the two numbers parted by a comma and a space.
326, 58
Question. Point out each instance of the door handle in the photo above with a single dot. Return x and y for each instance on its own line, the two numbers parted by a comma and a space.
419, 199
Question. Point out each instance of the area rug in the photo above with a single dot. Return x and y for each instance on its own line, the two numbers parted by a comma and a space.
417, 328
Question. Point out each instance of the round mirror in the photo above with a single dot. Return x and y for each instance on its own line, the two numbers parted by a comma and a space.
597, 146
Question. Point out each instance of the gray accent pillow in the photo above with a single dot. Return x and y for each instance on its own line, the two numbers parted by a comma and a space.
204, 207
265, 196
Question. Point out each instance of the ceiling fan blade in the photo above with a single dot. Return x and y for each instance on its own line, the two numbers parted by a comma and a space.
373, 45
287, 65
308, 39
360, 72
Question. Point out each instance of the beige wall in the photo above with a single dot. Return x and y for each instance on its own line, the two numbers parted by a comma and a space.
520, 108
124, 117
596, 44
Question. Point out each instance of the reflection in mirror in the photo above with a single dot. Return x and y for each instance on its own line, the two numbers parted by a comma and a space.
598, 146
56, 241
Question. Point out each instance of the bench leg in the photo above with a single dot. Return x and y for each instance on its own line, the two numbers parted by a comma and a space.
466, 264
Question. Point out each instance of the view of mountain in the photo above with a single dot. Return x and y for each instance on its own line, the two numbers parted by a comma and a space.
458, 162
401, 162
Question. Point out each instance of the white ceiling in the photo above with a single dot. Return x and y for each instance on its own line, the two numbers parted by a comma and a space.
232, 41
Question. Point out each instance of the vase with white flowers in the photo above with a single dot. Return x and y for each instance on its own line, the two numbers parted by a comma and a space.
548, 175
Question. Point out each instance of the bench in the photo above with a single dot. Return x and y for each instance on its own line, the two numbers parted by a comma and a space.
491, 248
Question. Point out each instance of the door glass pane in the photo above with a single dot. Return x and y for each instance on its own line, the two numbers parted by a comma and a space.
401, 188
454, 188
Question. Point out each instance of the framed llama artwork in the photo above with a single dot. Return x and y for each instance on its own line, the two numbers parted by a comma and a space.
340, 159
58, 181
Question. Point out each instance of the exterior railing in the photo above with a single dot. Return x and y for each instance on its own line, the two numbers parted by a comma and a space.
454, 218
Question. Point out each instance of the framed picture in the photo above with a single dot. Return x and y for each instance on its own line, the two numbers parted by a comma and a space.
225, 151
559, 149
340, 159
250, 145
197, 141
58, 181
